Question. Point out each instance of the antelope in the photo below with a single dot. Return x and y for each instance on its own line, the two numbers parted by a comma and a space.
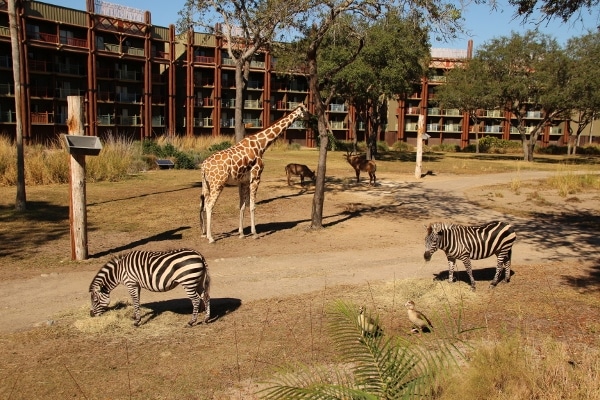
298, 169
360, 163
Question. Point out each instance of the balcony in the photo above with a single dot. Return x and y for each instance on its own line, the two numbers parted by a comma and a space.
130, 120
106, 96
7, 89
337, 107
492, 129
434, 128
252, 104
411, 127
228, 123
252, 123
413, 110
452, 112
555, 130
128, 97
158, 120
158, 99
452, 128
134, 51
62, 93
204, 102
433, 111
228, 61
160, 54
8, 116
71, 69
298, 124
292, 105
257, 64
42, 117
228, 103
256, 85
534, 114
207, 122
38, 65
106, 119
74, 42
5, 61
492, 114
4, 31
128, 75
43, 92
204, 60
337, 125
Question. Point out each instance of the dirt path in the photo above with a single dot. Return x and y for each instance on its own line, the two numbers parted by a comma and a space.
392, 250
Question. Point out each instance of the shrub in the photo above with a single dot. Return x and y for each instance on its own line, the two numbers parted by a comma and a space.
492, 144
402, 147
446, 148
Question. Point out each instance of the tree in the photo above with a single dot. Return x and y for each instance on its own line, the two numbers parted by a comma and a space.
527, 73
468, 95
395, 54
15, 37
584, 84
443, 20
247, 27
550, 9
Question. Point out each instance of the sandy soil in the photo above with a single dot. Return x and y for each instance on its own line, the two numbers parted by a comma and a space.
370, 234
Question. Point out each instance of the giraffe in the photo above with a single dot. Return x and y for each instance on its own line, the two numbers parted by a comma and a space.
242, 165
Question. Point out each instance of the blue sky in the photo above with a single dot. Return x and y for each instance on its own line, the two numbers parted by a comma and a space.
481, 21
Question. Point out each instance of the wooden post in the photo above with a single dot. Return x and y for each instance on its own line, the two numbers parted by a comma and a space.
77, 209
420, 131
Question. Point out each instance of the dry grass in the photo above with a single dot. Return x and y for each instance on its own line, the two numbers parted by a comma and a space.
75, 356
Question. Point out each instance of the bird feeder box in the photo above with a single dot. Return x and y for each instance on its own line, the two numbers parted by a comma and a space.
83, 145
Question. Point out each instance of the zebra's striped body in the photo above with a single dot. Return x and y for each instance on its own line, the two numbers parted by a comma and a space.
157, 271
468, 243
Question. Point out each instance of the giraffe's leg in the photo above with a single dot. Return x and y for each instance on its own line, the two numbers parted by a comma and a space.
244, 190
253, 189
210, 202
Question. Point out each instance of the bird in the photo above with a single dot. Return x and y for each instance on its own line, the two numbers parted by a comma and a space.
367, 324
420, 322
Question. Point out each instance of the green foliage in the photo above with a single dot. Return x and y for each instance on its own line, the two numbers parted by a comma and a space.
169, 151
376, 366
382, 147
492, 144
213, 148
402, 147
446, 148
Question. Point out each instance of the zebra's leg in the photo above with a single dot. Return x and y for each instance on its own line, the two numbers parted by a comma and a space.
195, 298
206, 299
469, 269
451, 264
507, 266
134, 291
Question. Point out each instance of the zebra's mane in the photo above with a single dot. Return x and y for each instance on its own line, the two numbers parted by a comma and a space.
438, 226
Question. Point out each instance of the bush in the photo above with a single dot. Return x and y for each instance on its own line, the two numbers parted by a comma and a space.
402, 147
446, 148
153, 150
492, 144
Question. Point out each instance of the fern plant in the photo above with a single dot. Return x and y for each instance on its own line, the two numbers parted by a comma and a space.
371, 366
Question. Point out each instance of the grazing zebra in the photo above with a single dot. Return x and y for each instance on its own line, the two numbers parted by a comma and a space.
157, 271
468, 243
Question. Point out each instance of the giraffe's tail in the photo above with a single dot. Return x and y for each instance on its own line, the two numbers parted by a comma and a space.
202, 202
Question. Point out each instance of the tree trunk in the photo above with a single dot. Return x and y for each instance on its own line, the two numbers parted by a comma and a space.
240, 85
14, 28
419, 159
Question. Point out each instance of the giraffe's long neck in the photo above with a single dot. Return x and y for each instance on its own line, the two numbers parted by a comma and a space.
265, 137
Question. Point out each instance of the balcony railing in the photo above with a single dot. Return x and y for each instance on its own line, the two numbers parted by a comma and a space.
130, 120
134, 51
256, 104
74, 42
453, 112
128, 97
158, 120
555, 130
5, 61
257, 64
8, 116
492, 113
337, 107
292, 105
337, 124
4, 31
72, 69
42, 117
493, 129
106, 119
204, 60
452, 128
204, 102
298, 125
433, 128
38, 65
160, 54
106, 96
252, 123
228, 123
41, 91
7, 89
158, 99
534, 114
62, 93
128, 75
413, 110
411, 127
228, 103
433, 111
257, 85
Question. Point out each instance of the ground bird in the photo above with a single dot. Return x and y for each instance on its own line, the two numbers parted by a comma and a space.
420, 322
367, 324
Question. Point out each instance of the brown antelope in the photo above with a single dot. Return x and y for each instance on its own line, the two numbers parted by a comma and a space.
298, 169
360, 163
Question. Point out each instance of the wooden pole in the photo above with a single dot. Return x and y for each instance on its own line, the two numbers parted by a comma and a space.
77, 210
420, 131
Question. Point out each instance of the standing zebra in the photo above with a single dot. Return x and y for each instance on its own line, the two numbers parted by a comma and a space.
157, 271
468, 243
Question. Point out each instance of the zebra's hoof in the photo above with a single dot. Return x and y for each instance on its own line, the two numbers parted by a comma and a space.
472, 288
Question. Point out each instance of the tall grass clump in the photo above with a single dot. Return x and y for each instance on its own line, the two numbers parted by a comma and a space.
511, 368
118, 158
402, 147
570, 183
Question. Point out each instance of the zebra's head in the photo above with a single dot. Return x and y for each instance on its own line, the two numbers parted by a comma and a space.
431, 240
100, 300
101, 286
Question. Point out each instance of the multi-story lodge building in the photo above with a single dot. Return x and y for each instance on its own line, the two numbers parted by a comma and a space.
143, 81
